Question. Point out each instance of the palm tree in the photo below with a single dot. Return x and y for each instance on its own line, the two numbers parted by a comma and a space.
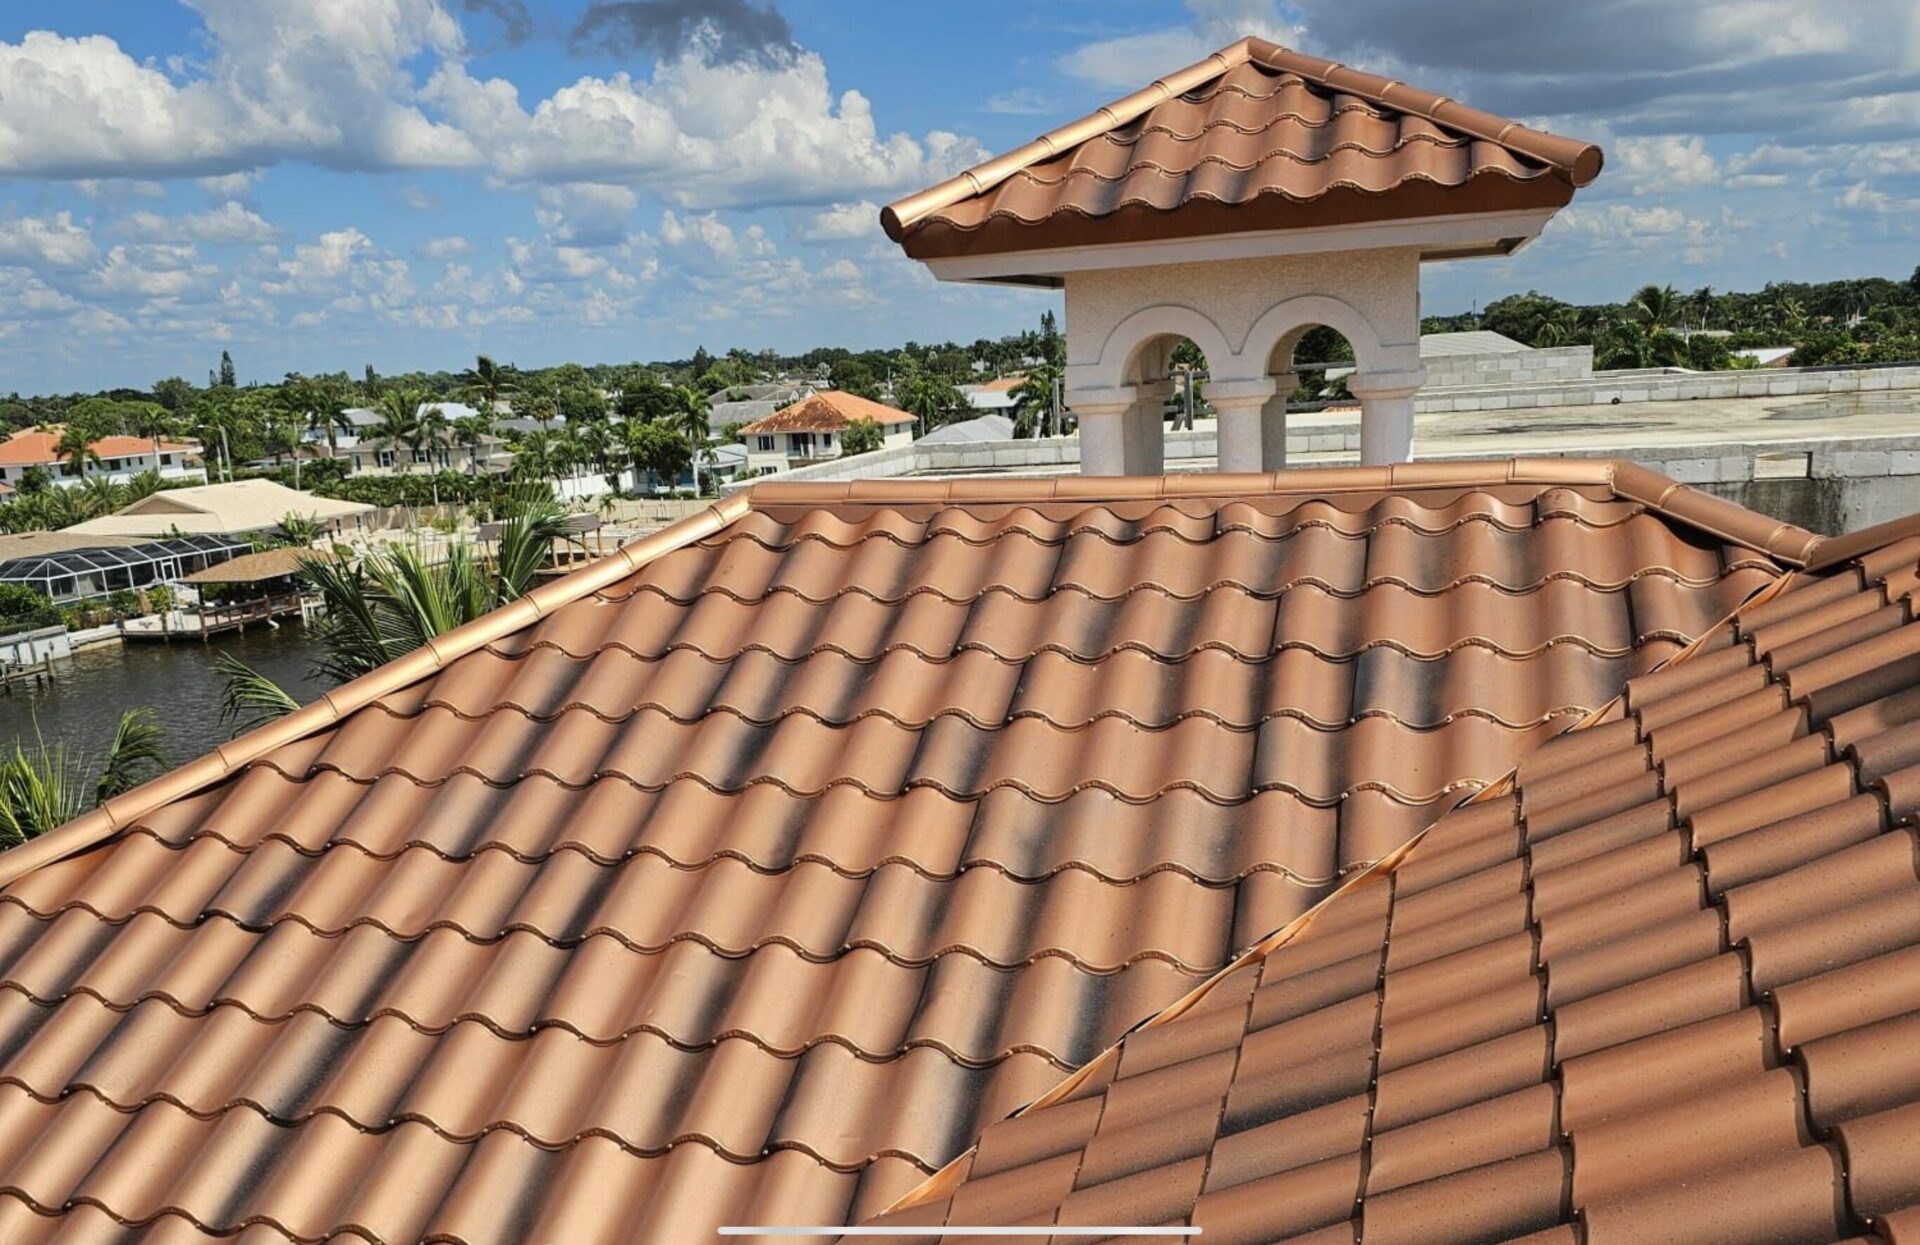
533, 457
76, 446
568, 454
1658, 306
486, 382
281, 436
152, 422
100, 495
393, 600
314, 403
595, 444
693, 419
1702, 300
47, 785
473, 430
1033, 401
399, 424
930, 397
214, 417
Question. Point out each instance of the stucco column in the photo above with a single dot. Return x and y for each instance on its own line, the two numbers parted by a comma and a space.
1241, 408
1386, 414
1102, 415
1147, 429
1273, 422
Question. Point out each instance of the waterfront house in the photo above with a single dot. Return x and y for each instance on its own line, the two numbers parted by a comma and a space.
120, 458
72, 566
812, 429
232, 508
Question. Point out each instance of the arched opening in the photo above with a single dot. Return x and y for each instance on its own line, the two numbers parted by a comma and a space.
1167, 374
1320, 360
1179, 365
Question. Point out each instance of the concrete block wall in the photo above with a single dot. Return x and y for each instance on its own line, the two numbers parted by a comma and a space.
1524, 368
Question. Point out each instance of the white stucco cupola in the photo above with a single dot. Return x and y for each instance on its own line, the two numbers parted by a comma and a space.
1238, 204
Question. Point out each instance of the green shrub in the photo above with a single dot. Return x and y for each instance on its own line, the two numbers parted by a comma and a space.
23, 609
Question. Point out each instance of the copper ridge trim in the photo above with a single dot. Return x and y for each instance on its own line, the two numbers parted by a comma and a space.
1833, 550
1580, 161
121, 811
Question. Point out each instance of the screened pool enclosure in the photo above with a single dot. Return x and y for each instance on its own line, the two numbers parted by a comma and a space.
81, 574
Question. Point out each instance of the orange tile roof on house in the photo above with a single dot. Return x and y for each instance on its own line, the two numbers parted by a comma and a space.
1662, 985
746, 876
1254, 137
829, 410
39, 447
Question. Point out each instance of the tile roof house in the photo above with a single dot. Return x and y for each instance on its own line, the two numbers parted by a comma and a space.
1238, 203
812, 427
749, 876
1660, 984
120, 457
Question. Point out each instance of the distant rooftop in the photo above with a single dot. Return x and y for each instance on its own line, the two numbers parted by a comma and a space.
1472, 341
828, 411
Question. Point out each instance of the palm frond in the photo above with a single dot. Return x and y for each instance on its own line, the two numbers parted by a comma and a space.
250, 698
134, 755
532, 521
40, 788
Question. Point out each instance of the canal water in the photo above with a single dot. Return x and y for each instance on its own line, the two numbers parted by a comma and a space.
178, 681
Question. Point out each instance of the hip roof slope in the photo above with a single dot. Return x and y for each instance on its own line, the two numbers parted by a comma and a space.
747, 875
1661, 984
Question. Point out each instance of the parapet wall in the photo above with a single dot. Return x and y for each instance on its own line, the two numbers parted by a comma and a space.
1666, 385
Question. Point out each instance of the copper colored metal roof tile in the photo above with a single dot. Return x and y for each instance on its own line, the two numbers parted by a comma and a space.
1473, 1074
749, 876
1504, 1199
1861, 707
1804, 792
1509, 1126
1282, 1205
1792, 1195
1901, 790
1625, 1080
1862, 1071
1883, 1159
1875, 926
1596, 838
1679, 941
1845, 998
1792, 841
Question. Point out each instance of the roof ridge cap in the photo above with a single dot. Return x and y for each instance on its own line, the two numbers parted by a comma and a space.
98, 824
1034, 490
897, 216
1716, 516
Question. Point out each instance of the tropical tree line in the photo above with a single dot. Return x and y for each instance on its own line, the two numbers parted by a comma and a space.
1862, 320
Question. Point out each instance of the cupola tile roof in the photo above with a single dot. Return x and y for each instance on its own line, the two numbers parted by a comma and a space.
1254, 137
749, 875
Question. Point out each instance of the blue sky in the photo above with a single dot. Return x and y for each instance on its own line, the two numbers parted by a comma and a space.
319, 186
